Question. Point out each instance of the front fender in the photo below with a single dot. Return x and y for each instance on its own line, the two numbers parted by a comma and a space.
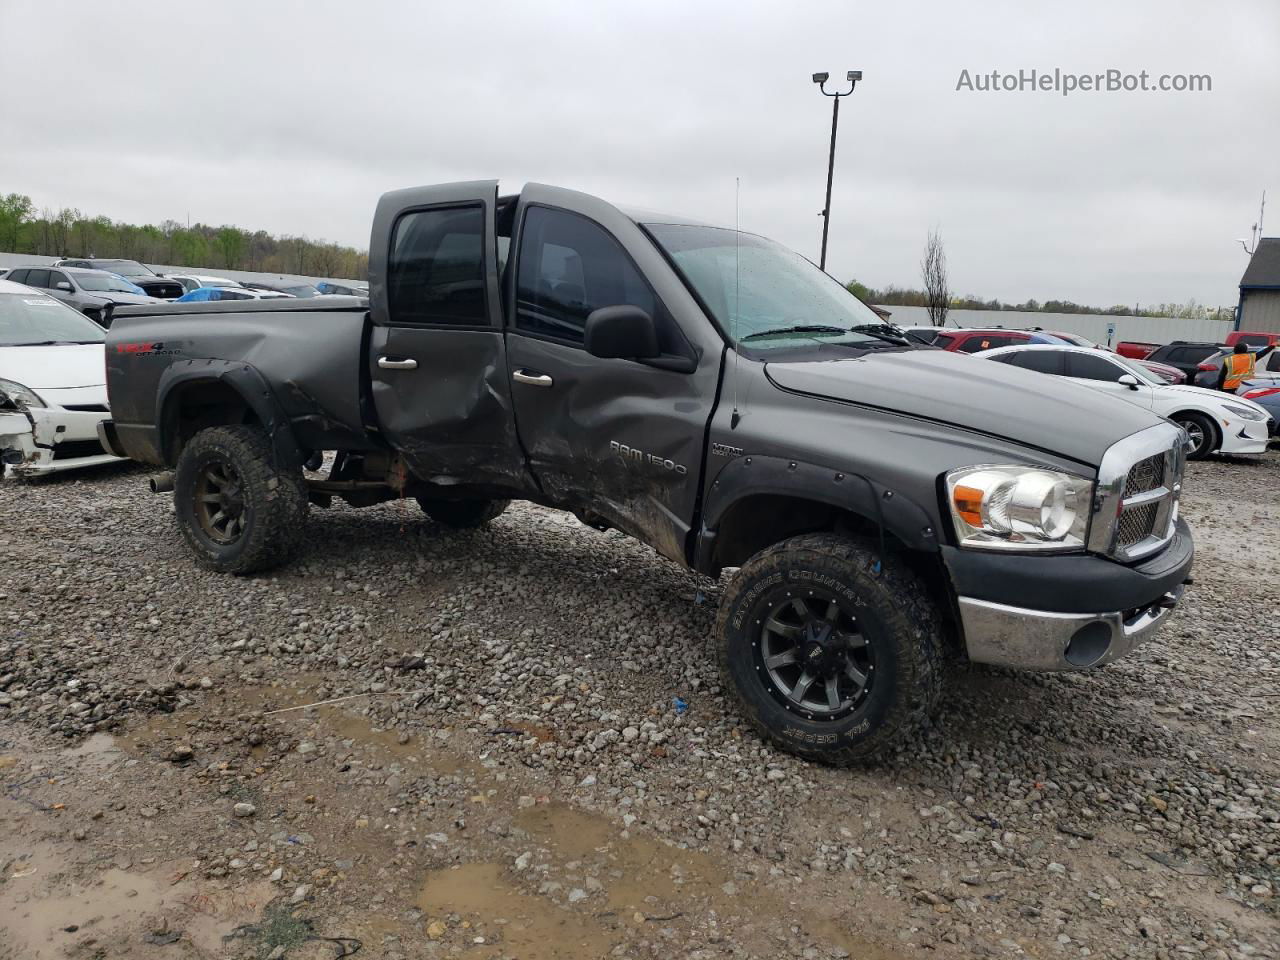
748, 476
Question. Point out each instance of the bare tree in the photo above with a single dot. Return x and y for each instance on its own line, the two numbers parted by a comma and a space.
933, 270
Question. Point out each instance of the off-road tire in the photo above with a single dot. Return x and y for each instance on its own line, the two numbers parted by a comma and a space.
462, 514
1208, 429
894, 612
275, 501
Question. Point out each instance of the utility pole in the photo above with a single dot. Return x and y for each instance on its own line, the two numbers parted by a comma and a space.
820, 79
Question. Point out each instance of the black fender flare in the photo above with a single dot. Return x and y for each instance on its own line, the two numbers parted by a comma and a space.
248, 383
744, 477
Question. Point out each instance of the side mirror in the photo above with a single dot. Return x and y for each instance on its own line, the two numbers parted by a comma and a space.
622, 332
63, 285
1129, 380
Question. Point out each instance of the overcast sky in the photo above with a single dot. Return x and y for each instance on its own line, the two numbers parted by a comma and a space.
294, 117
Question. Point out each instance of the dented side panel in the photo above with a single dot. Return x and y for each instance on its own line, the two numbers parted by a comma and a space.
312, 362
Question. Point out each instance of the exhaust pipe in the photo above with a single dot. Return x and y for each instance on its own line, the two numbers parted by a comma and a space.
161, 482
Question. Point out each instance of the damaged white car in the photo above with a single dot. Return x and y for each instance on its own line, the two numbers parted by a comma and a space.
52, 385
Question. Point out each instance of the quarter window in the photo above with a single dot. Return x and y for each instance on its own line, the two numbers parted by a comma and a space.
436, 268
569, 267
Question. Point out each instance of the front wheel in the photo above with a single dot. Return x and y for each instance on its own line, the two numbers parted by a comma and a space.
830, 655
1201, 430
237, 512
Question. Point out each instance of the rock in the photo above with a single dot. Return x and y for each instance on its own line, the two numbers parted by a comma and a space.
436, 929
244, 809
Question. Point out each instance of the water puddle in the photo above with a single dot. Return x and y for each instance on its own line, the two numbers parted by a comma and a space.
503, 921
46, 914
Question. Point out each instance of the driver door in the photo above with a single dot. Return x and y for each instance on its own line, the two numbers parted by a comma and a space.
1104, 375
621, 439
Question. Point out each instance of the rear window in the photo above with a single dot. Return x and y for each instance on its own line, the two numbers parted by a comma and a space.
1254, 339
989, 341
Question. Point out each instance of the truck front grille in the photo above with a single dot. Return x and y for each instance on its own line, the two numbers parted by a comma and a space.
1136, 524
1145, 476
1139, 483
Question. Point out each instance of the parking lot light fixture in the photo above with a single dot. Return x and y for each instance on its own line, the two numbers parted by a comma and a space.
853, 76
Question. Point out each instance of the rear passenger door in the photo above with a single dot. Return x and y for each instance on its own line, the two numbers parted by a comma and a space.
620, 438
437, 360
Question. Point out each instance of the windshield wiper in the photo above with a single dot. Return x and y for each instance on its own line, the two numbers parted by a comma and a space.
54, 343
883, 331
799, 328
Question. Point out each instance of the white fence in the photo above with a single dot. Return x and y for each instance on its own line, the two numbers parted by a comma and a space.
1091, 325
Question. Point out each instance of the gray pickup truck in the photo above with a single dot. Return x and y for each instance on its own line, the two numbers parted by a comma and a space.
888, 507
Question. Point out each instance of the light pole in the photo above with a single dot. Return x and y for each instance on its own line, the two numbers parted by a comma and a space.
820, 79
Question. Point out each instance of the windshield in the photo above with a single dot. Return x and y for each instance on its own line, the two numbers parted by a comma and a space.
104, 282
1138, 370
760, 290
28, 318
126, 268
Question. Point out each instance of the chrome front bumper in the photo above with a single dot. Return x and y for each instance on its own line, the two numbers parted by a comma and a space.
1041, 640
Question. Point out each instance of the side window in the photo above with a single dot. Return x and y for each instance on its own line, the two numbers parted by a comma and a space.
943, 340
1041, 361
435, 272
1084, 366
37, 278
1273, 361
56, 277
569, 267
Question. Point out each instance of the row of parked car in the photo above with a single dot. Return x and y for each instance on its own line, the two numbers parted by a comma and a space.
1177, 381
51, 363
96, 286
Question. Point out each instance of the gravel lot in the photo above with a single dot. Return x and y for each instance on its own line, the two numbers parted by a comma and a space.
517, 780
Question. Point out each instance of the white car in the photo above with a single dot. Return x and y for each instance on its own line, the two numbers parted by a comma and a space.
1216, 422
191, 281
53, 390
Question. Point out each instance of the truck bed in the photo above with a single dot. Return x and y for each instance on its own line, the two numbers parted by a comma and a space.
307, 358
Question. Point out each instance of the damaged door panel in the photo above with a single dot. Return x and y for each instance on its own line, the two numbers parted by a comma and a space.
621, 439
437, 358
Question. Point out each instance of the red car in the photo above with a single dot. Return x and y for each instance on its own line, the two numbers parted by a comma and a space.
965, 340
1135, 349
1252, 339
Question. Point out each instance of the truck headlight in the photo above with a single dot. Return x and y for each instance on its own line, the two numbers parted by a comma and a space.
14, 394
1019, 508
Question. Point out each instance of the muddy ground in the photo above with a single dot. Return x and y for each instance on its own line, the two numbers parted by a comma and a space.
531, 757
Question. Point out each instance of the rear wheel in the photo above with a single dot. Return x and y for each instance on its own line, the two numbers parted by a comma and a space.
462, 514
831, 656
237, 512
1201, 430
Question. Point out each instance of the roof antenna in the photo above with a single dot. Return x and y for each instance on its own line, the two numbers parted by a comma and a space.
737, 192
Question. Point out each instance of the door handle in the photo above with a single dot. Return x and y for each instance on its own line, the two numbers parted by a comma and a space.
388, 363
532, 379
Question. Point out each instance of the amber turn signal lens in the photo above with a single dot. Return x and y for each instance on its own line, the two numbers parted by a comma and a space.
968, 501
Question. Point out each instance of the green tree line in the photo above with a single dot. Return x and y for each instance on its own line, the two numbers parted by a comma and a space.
903, 296
70, 233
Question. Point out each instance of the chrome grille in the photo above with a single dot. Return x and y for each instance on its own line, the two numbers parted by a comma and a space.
1136, 524
1136, 502
1145, 476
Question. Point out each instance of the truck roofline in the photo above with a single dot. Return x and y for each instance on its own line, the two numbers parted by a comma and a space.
334, 302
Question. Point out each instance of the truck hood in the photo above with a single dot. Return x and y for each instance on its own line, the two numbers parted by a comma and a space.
55, 368
1034, 409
